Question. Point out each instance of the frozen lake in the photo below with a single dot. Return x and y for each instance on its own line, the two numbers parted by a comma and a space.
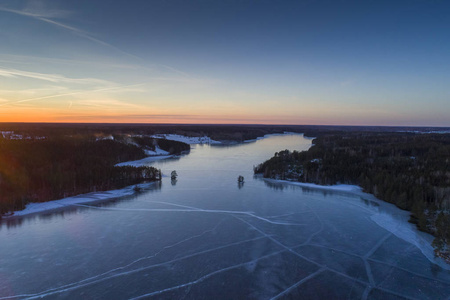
206, 237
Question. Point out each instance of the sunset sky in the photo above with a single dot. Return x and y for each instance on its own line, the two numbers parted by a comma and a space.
259, 62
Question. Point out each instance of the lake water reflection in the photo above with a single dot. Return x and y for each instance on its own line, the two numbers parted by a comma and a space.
205, 236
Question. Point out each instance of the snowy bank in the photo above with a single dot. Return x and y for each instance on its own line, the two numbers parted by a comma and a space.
144, 161
33, 208
387, 216
337, 187
407, 232
186, 139
157, 151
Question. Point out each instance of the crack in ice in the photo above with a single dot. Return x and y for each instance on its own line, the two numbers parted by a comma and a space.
97, 278
375, 260
324, 267
315, 233
370, 253
206, 276
173, 204
192, 209
377, 245
408, 271
298, 283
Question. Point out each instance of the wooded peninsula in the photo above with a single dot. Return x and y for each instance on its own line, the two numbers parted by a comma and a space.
410, 170
39, 169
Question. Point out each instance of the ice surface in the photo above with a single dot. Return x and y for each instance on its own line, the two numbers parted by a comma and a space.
206, 237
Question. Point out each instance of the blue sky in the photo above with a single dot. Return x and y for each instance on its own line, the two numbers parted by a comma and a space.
271, 62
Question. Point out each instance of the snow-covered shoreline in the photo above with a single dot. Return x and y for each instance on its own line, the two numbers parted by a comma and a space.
34, 208
385, 215
158, 151
144, 161
186, 139
159, 154
337, 187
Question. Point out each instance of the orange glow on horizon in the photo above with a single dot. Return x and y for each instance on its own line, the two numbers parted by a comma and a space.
45, 117
34, 115
55, 115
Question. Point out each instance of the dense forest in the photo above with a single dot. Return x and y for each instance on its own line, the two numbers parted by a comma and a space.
410, 170
43, 169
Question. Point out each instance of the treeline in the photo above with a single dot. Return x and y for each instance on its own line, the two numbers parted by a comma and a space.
43, 170
409, 170
235, 133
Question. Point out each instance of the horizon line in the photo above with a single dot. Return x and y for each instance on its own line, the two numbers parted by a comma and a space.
222, 124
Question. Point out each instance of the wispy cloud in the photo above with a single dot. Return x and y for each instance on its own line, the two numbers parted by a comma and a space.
45, 15
39, 8
48, 15
34, 91
57, 78
108, 104
115, 88
15, 59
